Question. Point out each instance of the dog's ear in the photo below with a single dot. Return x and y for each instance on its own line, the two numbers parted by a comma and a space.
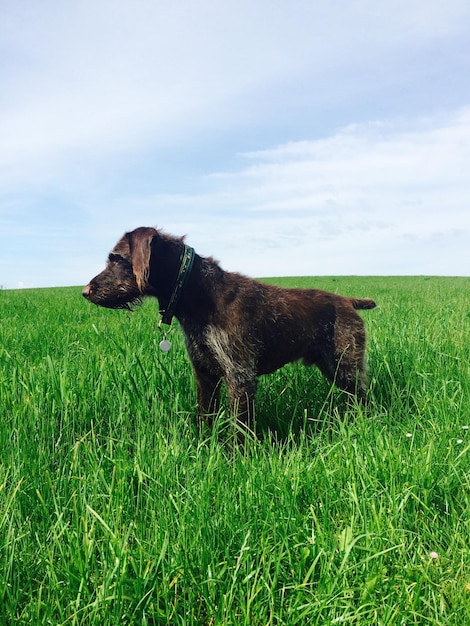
140, 244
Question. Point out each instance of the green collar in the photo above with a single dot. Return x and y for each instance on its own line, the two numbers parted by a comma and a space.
186, 264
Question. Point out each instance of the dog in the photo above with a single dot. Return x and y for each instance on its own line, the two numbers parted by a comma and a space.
235, 328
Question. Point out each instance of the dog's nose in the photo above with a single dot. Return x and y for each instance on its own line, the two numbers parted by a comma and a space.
86, 291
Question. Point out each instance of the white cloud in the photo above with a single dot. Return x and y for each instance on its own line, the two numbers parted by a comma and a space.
374, 198
297, 137
360, 166
99, 78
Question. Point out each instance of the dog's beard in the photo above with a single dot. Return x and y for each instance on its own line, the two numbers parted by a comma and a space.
131, 305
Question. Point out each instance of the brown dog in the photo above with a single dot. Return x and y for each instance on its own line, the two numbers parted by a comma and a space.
235, 328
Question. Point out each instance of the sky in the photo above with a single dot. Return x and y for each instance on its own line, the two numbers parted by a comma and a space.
298, 138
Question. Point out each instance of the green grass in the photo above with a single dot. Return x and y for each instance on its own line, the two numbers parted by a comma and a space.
115, 510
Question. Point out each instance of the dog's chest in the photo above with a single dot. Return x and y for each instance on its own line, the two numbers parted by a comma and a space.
217, 348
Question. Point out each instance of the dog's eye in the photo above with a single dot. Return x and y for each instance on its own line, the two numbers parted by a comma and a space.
116, 259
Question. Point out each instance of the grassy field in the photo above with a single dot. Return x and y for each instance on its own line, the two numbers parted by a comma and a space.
115, 510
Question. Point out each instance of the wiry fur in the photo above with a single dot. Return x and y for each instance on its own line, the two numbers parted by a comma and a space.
237, 328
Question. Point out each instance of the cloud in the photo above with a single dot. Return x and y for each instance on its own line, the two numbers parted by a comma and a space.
295, 138
100, 79
384, 197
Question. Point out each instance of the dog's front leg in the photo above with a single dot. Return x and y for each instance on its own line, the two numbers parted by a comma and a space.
242, 404
208, 392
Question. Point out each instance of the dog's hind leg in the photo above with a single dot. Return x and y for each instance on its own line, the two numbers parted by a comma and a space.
350, 374
344, 365
350, 377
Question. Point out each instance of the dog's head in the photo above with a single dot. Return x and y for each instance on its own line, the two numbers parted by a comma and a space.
125, 279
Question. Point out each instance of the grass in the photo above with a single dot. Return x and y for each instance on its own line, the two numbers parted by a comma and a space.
115, 510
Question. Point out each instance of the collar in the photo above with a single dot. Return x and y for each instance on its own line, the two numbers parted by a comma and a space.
186, 264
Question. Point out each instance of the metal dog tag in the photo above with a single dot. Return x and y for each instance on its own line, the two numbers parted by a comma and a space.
165, 345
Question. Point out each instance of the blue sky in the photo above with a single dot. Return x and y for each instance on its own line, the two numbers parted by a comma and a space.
283, 138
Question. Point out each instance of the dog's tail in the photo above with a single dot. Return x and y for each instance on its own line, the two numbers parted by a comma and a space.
363, 303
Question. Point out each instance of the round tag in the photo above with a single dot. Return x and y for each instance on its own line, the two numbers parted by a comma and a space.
165, 345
